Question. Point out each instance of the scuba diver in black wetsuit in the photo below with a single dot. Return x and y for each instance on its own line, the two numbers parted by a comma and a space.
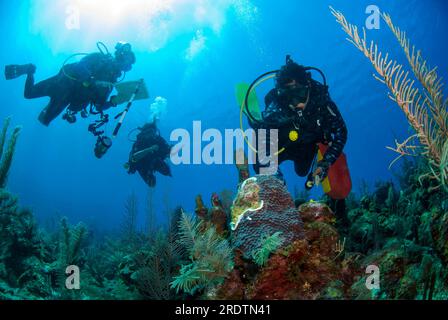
149, 154
77, 85
305, 116
303, 112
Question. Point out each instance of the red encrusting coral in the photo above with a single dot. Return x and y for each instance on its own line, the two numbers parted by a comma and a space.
305, 269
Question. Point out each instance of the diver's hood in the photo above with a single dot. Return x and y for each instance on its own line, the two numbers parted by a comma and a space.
148, 126
124, 56
149, 129
292, 71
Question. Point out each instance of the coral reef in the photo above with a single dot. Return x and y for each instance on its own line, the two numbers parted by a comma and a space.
263, 207
403, 233
200, 210
405, 238
263, 245
269, 245
216, 216
307, 268
210, 257
21, 250
407, 272
247, 201
148, 264
149, 269
439, 233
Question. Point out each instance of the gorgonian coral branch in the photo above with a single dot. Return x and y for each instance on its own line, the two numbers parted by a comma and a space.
427, 76
426, 112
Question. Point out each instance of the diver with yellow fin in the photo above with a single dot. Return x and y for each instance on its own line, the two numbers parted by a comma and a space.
88, 82
311, 130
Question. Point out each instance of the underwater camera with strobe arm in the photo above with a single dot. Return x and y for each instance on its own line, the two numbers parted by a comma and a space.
102, 145
138, 92
69, 117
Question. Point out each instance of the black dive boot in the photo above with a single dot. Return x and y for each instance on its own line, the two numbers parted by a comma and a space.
13, 71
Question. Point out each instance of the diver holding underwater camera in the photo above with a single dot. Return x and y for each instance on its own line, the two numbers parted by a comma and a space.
77, 85
82, 85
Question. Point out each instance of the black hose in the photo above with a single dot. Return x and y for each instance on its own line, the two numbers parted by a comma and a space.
321, 73
246, 99
100, 45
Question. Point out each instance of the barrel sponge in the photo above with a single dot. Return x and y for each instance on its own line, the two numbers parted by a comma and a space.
263, 207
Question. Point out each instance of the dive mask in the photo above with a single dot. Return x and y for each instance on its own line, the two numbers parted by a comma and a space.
294, 94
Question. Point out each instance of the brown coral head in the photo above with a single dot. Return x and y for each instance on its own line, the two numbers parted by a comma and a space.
316, 211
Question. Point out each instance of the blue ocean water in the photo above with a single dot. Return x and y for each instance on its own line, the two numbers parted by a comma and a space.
193, 53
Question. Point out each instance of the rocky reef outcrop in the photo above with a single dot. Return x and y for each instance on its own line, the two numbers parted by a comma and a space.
309, 267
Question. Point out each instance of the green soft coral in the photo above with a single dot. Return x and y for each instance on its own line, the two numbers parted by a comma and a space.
269, 244
211, 258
